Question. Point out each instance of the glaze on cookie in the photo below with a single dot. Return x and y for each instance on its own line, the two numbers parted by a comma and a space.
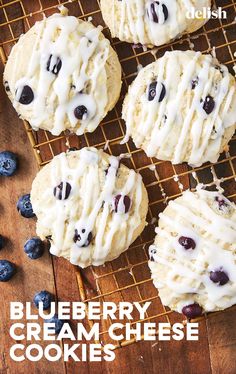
63, 74
182, 108
89, 205
193, 258
150, 22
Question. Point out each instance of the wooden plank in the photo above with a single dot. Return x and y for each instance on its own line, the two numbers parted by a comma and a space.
222, 341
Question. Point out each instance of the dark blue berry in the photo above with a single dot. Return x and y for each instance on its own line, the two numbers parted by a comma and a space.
209, 104
219, 276
154, 9
34, 248
24, 206
62, 191
54, 64
72, 149
192, 311
152, 90
82, 239
8, 163
122, 203
194, 83
7, 270
45, 297
2, 242
221, 202
58, 323
26, 96
187, 243
81, 112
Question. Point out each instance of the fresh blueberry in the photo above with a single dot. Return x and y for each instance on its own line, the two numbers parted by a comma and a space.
45, 297
155, 10
219, 276
26, 95
122, 203
34, 248
187, 243
192, 311
72, 149
58, 323
54, 64
8, 163
62, 191
2, 242
81, 112
7, 270
209, 104
24, 206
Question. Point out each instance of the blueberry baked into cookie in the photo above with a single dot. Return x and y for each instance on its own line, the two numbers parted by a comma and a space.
193, 258
182, 108
89, 205
151, 23
63, 74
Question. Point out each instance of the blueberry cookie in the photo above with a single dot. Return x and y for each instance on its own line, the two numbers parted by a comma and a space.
151, 22
63, 74
193, 259
89, 205
182, 108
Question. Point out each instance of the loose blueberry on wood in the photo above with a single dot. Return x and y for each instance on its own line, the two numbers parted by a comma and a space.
34, 248
122, 203
187, 243
192, 311
26, 96
54, 64
62, 191
219, 276
8, 163
154, 11
45, 297
7, 270
209, 104
152, 91
58, 323
82, 239
81, 112
24, 206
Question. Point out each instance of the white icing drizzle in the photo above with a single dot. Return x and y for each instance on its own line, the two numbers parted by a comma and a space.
82, 79
186, 276
178, 128
89, 207
135, 22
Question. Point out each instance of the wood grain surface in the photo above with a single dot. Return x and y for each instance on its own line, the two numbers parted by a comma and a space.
215, 352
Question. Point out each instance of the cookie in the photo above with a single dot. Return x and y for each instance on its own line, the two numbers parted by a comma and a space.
89, 205
63, 74
182, 108
151, 23
193, 258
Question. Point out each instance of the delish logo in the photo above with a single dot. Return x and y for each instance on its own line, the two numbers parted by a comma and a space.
206, 13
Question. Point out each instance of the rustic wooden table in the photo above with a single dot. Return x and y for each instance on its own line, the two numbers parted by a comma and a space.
215, 352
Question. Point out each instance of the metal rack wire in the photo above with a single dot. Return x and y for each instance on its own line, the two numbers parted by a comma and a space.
128, 277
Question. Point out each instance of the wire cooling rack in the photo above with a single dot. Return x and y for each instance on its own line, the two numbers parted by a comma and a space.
128, 277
